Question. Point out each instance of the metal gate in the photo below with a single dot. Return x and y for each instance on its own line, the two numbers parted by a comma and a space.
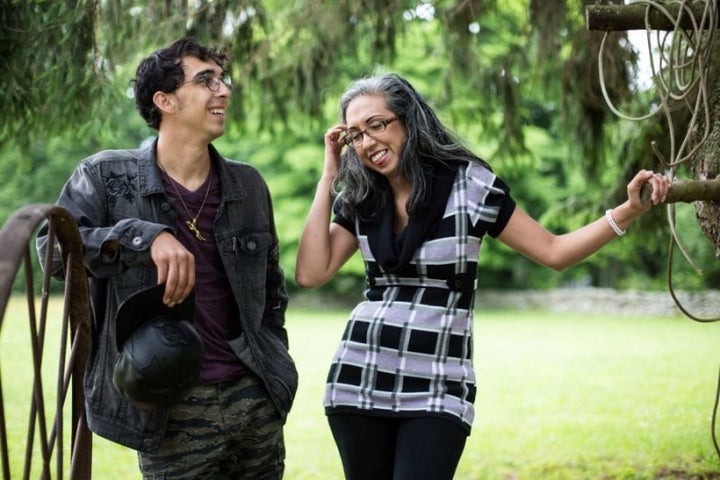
46, 455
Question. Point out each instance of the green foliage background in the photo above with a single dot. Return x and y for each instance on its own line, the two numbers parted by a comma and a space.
515, 80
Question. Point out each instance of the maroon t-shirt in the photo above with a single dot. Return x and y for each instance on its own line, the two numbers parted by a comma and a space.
216, 312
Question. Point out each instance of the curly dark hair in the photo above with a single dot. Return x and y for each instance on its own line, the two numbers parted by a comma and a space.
162, 72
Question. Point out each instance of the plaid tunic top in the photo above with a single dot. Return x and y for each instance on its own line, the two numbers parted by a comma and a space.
407, 348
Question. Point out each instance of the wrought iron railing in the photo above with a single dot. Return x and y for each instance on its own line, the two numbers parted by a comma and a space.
45, 454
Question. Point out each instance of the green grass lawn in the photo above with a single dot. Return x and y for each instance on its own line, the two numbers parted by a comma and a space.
559, 397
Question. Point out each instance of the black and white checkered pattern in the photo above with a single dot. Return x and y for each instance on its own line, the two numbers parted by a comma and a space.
407, 347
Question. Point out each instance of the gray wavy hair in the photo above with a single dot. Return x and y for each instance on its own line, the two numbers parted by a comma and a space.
362, 192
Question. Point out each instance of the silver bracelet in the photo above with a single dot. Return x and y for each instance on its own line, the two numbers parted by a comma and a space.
616, 228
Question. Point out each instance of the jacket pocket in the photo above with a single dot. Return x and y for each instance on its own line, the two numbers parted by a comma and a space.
251, 258
270, 360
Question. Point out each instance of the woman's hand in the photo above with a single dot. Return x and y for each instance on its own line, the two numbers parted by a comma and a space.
333, 147
660, 186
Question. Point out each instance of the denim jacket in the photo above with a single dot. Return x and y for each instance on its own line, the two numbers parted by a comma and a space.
118, 195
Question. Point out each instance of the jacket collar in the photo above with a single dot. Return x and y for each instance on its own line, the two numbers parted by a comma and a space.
151, 179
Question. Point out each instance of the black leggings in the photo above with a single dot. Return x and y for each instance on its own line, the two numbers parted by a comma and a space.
392, 448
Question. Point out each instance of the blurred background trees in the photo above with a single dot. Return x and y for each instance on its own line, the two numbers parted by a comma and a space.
518, 80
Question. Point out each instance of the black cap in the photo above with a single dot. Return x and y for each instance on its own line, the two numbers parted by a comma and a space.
159, 351
145, 305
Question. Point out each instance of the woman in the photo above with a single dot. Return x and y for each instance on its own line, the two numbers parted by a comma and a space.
417, 203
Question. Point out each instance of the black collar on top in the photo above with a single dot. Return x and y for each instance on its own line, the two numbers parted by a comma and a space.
393, 252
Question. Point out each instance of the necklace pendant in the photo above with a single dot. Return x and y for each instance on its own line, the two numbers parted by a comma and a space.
192, 226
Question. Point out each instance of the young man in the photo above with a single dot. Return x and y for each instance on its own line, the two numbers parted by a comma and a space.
176, 212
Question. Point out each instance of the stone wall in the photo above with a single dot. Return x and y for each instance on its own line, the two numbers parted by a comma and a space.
593, 300
578, 300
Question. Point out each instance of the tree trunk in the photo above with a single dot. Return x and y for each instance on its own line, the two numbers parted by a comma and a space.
706, 163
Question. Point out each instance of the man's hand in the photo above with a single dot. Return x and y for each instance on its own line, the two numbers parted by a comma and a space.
175, 266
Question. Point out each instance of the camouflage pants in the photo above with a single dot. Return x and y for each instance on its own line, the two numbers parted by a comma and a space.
224, 431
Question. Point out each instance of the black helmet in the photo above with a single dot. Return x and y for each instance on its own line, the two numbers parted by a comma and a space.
159, 351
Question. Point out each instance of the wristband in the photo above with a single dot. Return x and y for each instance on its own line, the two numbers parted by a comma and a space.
611, 221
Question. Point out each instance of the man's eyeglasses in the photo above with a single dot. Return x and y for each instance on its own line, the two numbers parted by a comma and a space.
354, 138
212, 82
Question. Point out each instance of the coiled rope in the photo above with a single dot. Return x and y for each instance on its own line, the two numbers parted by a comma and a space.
679, 68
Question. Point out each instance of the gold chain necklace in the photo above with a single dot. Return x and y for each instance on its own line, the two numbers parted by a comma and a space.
192, 223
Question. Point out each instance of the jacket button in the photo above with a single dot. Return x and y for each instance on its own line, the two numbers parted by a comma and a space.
251, 245
137, 241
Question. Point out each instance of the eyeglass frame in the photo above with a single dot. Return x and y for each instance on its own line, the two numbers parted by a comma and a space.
355, 138
211, 81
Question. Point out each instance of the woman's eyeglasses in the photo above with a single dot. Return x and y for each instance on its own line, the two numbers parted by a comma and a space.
354, 138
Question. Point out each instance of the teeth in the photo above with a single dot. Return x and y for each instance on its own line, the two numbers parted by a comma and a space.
217, 112
377, 155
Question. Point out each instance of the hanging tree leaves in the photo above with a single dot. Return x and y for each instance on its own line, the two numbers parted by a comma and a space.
48, 67
58, 56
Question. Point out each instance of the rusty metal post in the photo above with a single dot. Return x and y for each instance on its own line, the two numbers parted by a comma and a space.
15, 237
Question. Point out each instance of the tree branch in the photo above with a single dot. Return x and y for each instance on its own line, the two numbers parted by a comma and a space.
611, 18
687, 191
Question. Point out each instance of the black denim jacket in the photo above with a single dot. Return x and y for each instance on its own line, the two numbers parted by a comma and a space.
118, 195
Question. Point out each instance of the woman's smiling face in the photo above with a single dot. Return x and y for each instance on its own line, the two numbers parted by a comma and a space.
378, 151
